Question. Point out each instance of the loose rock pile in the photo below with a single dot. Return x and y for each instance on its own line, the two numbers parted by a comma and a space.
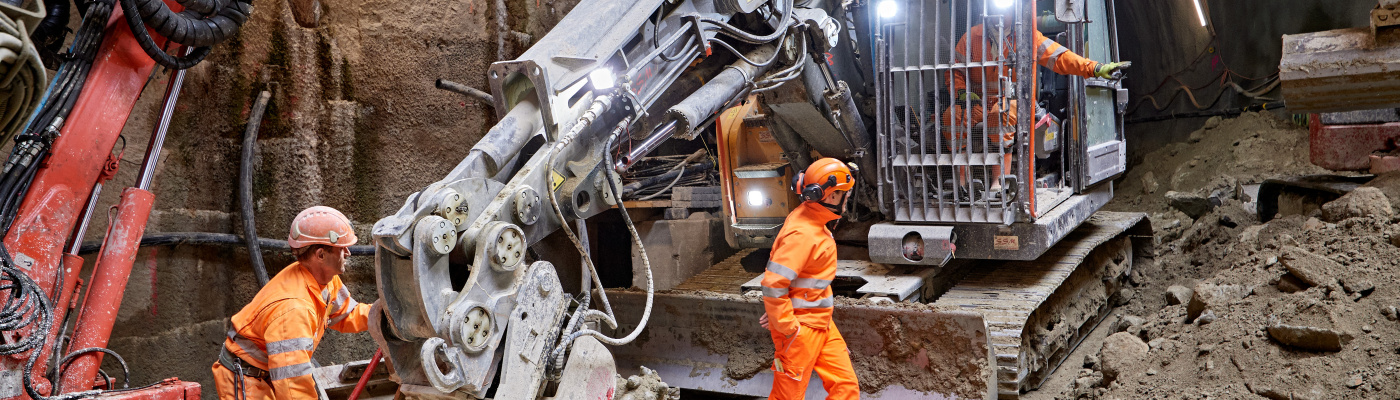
1302, 307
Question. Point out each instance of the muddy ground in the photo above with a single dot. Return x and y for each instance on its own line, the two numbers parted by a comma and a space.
1301, 307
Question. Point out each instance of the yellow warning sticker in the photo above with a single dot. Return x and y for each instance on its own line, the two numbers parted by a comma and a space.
555, 179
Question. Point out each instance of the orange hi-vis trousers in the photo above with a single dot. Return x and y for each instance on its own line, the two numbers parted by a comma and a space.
798, 300
1001, 131
820, 351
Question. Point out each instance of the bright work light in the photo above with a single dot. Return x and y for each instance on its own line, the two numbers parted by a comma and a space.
755, 198
602, 78
887, 9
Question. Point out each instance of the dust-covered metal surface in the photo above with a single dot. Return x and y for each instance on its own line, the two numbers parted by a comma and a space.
1346, 141
712, 342
1341, 70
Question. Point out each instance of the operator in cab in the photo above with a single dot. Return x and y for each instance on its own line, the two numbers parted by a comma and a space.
267, 353
980, 45
797, 296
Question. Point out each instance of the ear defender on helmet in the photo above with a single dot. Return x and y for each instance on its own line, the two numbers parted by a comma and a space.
822, 178
815, 192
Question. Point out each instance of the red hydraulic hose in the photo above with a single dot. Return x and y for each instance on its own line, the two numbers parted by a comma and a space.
364, 378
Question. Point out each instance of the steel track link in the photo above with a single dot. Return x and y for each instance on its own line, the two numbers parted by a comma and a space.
1038, 311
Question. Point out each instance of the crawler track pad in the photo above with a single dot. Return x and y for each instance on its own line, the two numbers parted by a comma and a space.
712, 342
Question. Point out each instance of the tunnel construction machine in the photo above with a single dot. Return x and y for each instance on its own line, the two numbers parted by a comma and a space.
988, 259
1343, 79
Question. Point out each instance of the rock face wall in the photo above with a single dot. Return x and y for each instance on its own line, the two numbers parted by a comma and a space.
354, 123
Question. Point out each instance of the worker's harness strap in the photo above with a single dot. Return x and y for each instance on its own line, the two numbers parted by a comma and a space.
235, 364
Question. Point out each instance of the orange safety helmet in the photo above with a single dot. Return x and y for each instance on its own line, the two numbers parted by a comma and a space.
321, 225
823, 177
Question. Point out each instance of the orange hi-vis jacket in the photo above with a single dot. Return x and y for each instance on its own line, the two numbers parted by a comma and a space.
1047, 54
797, 282
281, 327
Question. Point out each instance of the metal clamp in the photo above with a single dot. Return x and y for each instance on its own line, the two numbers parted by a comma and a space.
428, 354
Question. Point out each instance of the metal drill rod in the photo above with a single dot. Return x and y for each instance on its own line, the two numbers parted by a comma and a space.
167, 108
77, 244
653, 140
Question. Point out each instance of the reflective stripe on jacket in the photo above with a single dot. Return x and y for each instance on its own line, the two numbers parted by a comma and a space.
797, 280
281, 327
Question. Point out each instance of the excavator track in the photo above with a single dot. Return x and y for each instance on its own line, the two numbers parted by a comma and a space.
1038, 311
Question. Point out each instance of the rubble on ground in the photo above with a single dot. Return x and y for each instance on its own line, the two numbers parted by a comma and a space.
1364, 201
1296, 308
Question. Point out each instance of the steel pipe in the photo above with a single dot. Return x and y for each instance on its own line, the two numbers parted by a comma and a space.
167, 108
458, 88
654, 139
718, 93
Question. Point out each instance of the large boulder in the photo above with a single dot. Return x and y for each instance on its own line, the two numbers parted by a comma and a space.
1362, 202
1120, 352
1193, 205
1312, 269
1177, 294
1309, 337
1212, 296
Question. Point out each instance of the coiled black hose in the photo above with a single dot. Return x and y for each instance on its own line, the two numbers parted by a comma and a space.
192, 27
203, 24
148, 44
48, 36
203, 7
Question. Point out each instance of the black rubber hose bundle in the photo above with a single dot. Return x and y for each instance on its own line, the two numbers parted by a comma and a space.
203, 24
48, 37
192, 27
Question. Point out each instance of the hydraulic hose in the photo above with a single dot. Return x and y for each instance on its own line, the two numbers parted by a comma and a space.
750, 38
609, 318
245, 185
207, 238
48, 37
596, 109
167, 21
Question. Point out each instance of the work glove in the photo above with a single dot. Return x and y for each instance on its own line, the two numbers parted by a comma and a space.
1113, 70
964, 95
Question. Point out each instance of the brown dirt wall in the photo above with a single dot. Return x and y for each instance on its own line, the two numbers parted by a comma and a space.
354, 123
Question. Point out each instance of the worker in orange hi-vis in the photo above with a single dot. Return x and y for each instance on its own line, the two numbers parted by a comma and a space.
267, 353
971, 83
797, 297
